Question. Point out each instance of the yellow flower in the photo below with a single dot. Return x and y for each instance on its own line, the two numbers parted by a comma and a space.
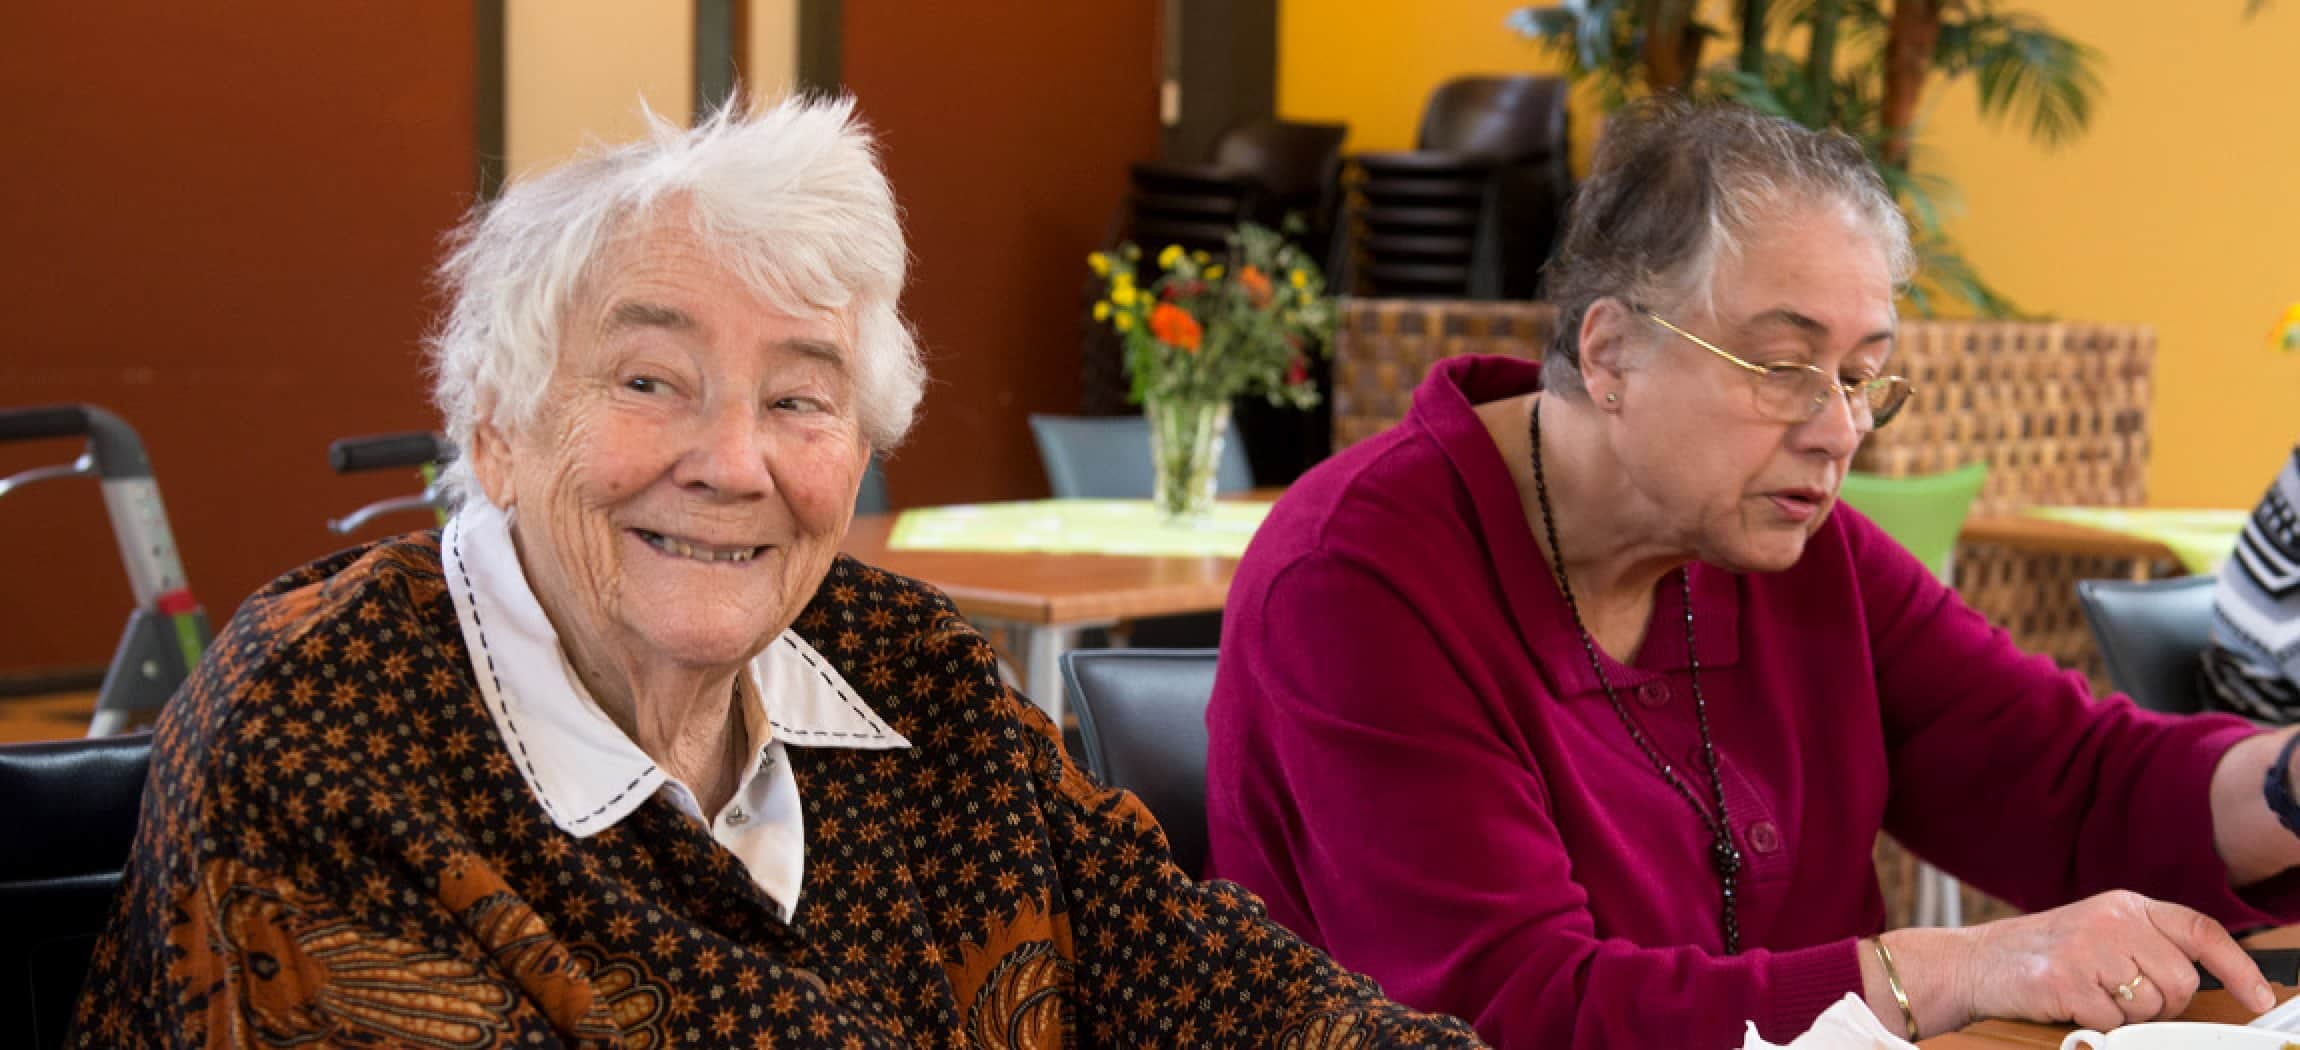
1300, 279
1099, 263
1201, 258
1213, 273
1167, 258
1102, 310
1123, 293
1123, 322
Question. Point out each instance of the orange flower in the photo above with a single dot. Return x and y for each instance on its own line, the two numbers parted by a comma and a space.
1175, 327
1256, 284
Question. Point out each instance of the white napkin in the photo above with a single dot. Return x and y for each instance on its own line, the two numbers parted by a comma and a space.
1846, 1026
2284, 1018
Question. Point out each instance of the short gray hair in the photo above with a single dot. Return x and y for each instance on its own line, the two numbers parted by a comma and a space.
790, 198
1675, 189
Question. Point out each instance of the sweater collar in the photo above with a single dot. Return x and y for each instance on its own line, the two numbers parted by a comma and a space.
1444, 406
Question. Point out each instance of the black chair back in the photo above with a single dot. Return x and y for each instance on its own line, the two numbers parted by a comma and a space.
2152, 636
1506, 118
1298, 168
1142, 721
64, 837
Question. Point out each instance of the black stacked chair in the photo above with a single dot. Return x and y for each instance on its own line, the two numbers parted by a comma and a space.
1264, 171
1195, 207
64, 839
1472, 211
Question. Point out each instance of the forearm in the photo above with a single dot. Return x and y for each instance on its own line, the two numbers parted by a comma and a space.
2252, 842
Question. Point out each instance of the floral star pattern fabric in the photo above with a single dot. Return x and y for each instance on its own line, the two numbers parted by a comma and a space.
337, 850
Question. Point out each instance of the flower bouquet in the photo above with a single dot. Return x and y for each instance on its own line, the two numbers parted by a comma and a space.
1206, 329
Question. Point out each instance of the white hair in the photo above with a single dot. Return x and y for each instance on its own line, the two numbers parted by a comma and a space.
789, 198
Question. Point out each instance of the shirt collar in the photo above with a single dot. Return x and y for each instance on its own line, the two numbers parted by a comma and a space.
582, 767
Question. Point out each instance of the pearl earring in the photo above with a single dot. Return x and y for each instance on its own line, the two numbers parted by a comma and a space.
1613, 399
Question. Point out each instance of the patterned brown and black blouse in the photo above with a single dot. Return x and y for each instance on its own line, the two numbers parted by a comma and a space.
336, 850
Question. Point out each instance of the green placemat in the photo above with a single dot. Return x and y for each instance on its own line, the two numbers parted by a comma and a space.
2202, 539
1076, 526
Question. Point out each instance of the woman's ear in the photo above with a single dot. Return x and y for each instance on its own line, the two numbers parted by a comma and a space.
490, 454
1608, 336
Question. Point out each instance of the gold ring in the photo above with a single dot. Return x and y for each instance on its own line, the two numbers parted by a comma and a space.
2125, 991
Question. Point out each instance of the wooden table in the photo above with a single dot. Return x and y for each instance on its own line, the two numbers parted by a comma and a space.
1045, 600
2208, 1006
2045, 536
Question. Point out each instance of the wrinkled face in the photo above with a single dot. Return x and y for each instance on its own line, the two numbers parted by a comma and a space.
684, 487
1737, 488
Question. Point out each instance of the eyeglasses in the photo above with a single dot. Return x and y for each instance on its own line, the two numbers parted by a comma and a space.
1793, 392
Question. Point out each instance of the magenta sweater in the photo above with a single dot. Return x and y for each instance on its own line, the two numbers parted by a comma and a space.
1413, 764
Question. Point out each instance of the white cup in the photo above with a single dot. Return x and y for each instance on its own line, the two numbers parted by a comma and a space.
2178, 1035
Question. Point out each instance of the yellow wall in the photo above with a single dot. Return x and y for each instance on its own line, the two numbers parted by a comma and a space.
1371, 63
2181, 209
576, 70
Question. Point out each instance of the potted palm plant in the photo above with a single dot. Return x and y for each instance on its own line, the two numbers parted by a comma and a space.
1862, 66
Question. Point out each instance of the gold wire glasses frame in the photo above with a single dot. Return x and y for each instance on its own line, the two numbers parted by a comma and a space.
1793, 392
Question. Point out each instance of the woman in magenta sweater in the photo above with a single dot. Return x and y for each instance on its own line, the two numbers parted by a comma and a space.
1573, 704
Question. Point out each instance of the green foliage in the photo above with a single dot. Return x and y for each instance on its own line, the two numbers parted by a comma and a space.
1823, 63
2023, 68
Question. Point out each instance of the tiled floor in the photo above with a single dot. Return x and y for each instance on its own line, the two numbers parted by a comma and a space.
56, 716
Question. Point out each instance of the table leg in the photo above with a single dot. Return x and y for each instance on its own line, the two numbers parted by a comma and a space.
1043, 647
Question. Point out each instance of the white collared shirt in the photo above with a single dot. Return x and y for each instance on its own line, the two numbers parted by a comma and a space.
587, 773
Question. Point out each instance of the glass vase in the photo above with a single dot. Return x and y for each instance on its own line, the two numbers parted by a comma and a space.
1186, 436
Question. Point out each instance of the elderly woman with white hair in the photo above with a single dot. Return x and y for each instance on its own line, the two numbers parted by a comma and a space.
626, 754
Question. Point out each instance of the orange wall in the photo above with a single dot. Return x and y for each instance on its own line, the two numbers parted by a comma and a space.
2177, 211
220, 221
1007, 132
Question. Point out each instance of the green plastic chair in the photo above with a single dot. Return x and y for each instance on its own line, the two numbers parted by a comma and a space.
1924, 513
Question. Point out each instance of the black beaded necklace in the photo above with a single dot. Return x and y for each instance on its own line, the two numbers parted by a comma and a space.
1723, 855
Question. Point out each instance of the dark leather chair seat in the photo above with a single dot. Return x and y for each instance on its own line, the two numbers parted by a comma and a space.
1142, 724
64, 837
2152, 636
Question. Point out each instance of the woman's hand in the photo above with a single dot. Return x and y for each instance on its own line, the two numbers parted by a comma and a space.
2104, 961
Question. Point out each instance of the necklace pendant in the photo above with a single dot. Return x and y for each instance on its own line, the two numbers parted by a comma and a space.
1725, 856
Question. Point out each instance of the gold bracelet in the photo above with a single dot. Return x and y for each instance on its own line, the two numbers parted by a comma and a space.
1893, 981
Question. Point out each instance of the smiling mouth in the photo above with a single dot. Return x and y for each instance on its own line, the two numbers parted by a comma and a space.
679, 548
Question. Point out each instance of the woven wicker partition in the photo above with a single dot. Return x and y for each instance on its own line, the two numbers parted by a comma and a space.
2060, 414
1383, 347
